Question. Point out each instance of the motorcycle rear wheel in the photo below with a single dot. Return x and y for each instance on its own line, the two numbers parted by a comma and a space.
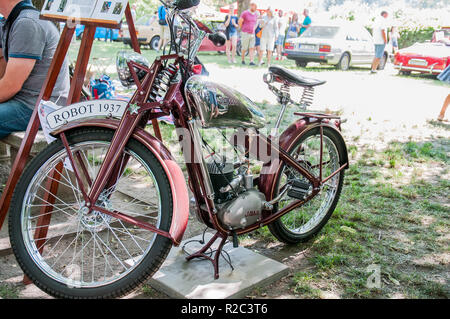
303, 223
91, 255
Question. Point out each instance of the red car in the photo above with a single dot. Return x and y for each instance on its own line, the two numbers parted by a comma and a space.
207, 45
430, 57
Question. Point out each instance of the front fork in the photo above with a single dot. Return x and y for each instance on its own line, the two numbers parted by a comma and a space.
110, 170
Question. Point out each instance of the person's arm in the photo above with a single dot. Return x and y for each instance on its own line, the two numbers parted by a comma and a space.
383, 34
233, 21
227, 21
16, 73
240, 22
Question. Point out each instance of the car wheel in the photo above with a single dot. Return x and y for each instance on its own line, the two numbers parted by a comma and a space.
301, 64
405, 72
344, 62
154, 43
383, 62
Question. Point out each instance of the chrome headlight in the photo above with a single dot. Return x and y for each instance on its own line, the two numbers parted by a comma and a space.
123, 57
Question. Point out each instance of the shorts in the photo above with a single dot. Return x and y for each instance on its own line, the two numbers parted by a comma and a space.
257, 41
280, 40
267, 44
395, 42
247, 41
164, 32
379, 50
231, 34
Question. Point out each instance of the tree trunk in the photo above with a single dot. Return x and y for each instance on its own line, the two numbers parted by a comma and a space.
242, 6
38, 4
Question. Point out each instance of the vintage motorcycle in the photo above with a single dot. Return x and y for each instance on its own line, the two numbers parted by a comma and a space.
96, 213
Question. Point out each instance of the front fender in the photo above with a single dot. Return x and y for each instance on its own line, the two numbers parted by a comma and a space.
287, 139
180, 196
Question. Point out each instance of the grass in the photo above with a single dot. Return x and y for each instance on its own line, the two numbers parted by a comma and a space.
397, 222
103, 57
8, 292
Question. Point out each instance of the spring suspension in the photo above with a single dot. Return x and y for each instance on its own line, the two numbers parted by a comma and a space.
307, 97
162, 83
284, 94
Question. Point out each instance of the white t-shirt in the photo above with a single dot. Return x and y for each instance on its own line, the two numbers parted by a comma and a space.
282, 22
270, 29
380, 26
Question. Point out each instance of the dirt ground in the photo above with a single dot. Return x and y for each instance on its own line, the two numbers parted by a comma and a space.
381, 110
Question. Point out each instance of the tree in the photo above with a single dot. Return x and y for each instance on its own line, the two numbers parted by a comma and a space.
242, 6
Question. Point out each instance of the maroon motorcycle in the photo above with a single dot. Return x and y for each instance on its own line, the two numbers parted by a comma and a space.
96, 213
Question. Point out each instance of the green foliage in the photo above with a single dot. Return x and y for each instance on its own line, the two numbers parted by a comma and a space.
410, 36
145, 7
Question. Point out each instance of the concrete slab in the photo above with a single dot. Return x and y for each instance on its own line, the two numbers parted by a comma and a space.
195, 279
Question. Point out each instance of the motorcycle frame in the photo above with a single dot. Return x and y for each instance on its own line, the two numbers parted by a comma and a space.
139, 111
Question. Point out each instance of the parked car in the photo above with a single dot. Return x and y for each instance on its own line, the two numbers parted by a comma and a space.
342, 45
100, 33
147, 30
429, 57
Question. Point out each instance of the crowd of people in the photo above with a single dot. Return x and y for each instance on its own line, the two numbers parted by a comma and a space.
261, 34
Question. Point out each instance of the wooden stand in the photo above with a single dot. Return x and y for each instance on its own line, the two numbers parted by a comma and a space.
74, 97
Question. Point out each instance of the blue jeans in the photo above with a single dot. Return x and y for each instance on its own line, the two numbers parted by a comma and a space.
14, 117
109, 35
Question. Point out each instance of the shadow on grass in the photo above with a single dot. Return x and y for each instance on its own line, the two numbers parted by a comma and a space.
391, 215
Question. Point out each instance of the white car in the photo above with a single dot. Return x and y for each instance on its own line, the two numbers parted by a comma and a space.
342, 45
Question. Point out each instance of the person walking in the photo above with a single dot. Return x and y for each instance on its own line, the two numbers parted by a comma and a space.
379, 39
269, 33
294, 27
281, 34
164, 33
395, 36
231, 24
306, 22
247, 24
109, 34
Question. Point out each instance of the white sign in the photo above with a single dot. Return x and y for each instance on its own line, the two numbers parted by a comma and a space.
82, 110
111, 10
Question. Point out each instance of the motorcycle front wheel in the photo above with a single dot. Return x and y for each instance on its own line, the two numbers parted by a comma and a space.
69, 253
304, 222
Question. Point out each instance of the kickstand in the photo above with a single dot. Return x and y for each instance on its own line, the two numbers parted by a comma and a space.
217, 253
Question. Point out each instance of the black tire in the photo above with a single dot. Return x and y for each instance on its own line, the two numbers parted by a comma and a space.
383, 62
406, 73
301, 64
277, 228
154, 43
344, 62
143, 270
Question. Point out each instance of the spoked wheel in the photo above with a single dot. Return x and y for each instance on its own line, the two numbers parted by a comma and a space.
306, 221
90, 255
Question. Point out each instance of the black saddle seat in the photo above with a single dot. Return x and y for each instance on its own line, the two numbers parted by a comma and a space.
293, 78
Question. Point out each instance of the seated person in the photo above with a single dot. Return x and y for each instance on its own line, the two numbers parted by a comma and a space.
27, 46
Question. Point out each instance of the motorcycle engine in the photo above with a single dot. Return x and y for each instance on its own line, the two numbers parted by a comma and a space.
238, 203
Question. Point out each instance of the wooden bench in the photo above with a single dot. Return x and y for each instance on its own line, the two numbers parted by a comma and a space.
15, 140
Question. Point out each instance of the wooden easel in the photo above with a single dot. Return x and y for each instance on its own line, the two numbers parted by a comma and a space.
74, 97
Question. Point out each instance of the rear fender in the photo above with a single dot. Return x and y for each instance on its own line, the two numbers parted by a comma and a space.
180, 197
287, 139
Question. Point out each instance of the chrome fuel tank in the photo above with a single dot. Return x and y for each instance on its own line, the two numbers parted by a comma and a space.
218, 106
